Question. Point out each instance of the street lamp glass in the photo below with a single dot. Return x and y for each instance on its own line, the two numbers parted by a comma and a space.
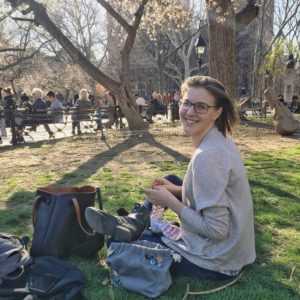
200, 50
200, 46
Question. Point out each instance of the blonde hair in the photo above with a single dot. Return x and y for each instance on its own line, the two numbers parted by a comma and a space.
38, 92
83, 94
154, 94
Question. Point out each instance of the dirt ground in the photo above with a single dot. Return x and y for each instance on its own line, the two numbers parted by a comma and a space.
122, 152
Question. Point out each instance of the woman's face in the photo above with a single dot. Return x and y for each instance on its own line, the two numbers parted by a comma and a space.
197, 123
34, 96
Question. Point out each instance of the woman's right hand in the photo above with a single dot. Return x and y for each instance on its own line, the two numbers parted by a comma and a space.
174, 189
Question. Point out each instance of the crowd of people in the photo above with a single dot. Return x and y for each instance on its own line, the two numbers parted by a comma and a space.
84, 100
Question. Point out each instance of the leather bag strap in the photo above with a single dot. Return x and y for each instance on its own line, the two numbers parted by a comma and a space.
78, 214
99, 198
35, 208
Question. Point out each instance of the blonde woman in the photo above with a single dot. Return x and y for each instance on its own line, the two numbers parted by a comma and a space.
82, 105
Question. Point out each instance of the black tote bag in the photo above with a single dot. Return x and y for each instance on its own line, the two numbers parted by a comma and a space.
60, 228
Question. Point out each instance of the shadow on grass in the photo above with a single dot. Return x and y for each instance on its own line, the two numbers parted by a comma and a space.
259, 282
274, 190
16, 217
90, 167
22, 200
34, 144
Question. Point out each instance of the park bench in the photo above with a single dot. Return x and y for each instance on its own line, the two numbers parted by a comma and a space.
25, 121
90, 119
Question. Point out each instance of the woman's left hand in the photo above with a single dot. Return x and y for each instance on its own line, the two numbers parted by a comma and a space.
160, 196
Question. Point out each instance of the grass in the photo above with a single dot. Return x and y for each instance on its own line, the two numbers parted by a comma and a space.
274, 178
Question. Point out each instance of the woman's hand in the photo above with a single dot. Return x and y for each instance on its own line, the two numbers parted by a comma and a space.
161, 196
174, 189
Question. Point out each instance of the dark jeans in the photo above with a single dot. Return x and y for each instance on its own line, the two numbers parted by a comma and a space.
173, 179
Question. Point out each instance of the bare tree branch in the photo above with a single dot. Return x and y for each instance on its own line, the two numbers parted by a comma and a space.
24, 19
17, 62
246, 15
279, 33
115, 15
42, 17
12, 50
188, 38
125, 52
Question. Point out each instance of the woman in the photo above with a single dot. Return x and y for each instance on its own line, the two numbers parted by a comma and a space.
216, 213
10, 104
39, 107
8, 101
111, 113
83, 106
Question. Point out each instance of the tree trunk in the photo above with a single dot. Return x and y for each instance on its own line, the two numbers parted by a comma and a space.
222, 45
161, 72
135, 121
223, 26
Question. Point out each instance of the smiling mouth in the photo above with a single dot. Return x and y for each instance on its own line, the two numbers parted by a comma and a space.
191, 121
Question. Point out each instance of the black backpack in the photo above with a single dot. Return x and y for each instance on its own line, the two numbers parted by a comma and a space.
13, 257
48, 278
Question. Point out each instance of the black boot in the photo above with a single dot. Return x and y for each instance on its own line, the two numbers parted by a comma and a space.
122, 229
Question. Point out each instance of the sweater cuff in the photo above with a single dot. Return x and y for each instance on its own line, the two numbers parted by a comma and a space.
186, 215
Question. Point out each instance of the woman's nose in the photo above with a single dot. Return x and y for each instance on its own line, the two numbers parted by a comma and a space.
191, 110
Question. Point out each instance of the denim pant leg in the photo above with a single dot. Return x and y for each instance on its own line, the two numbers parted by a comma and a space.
185, 267
175, 180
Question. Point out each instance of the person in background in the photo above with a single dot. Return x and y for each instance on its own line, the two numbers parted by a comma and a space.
111, 104
56, 107
24, 98
154, 104
39, 107
175, 105
60, 97
294, 104
9, 104
92, 98
83, 106
142, 104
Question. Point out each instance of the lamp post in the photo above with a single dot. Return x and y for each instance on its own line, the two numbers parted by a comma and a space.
200, 47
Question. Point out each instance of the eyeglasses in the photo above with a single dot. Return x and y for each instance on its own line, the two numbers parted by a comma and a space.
199, 107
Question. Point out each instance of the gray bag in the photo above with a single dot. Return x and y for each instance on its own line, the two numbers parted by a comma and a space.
140, 266
13, 257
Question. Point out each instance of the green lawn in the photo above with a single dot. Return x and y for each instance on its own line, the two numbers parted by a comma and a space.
275, 183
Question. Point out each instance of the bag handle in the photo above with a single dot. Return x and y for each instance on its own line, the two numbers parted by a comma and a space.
99, 198
37, 201
188, 292
17, 276
78, 214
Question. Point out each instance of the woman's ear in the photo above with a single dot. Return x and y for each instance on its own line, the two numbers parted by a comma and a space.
218, 113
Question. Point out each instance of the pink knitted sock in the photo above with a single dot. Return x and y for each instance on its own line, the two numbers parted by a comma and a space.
170, 231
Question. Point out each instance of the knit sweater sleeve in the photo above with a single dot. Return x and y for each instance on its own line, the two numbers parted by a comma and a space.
210, 175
